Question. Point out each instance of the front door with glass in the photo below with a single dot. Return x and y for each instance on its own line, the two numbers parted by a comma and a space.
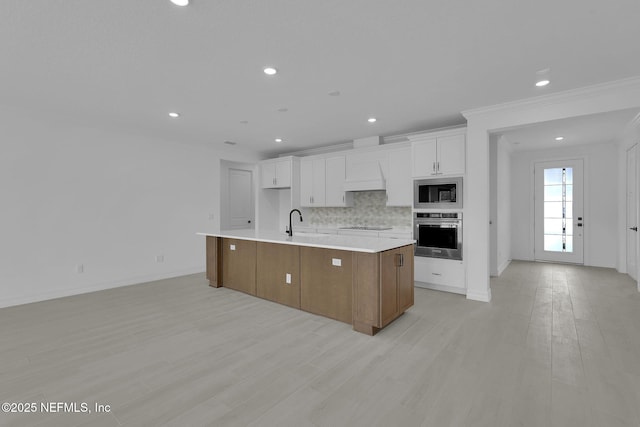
559, 220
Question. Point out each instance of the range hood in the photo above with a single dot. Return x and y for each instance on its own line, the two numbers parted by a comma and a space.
366, 180
365, 171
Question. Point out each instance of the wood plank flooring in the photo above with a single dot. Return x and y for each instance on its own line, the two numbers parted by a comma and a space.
558, 346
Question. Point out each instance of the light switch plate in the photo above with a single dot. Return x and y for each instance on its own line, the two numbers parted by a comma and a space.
337, 262
288, 279
232, 247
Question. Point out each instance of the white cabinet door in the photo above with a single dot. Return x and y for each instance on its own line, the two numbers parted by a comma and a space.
306, 182
275, 174
283, 173
312, 185
399, 182
451, 155
334, 183
424, 157
319, 175
448, 274
268, 175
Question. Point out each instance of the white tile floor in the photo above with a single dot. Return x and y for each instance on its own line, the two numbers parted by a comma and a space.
558, 345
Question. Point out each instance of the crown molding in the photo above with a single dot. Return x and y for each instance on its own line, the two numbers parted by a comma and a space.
632, 83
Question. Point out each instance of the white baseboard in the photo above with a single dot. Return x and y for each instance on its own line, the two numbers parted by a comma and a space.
444, 288
59, 293
503, 267
480, 296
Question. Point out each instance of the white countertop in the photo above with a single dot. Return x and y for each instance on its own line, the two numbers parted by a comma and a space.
327, 241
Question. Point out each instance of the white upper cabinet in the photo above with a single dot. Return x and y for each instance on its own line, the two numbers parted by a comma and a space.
438, 155
334, 188
275, 173
399, 181
451, 154
312, 182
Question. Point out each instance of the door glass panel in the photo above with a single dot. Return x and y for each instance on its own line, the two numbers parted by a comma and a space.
553, 209
553, 176
553, 193
553, 226
552, 243
558, 212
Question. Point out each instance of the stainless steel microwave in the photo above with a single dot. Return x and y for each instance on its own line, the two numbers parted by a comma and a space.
437, 193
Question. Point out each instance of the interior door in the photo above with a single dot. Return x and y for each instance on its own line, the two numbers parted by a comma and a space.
558, 205
632, 213
240, 198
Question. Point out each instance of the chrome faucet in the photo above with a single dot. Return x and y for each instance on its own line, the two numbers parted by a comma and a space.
290, 230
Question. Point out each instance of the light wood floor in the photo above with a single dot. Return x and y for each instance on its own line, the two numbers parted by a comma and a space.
558, 345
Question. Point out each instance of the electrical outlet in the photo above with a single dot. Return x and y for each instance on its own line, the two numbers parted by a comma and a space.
80, 268
336, 262
159, 258
232, 247
288, 279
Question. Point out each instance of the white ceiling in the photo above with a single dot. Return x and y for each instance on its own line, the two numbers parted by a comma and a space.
582, 130
413, 64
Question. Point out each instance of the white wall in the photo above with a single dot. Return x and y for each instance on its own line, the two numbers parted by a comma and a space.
504, 201
500, 178
108, 200
600, 198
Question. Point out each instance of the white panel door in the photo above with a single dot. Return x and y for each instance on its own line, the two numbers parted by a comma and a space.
240, 199
558, 203
632, 213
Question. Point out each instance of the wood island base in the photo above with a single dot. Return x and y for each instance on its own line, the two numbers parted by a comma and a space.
367, 290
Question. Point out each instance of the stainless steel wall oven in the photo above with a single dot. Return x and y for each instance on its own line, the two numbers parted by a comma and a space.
438, 234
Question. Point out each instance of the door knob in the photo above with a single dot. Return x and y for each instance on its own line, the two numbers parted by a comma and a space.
633, 228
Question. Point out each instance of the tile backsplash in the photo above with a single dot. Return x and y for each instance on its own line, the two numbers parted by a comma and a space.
369, 209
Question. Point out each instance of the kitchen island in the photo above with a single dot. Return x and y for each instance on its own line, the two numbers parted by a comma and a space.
364, 281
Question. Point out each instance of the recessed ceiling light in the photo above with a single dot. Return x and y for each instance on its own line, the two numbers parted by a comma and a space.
230, 143
283, 110
278, 140
543, 77
334, 93
180, 2
244, 122
559, 138
372, 120
270, 71
174, 115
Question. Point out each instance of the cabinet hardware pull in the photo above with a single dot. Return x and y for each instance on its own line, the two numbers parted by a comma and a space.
437, 274
433, 167
438, 166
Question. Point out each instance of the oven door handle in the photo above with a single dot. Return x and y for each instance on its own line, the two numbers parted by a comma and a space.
452, 224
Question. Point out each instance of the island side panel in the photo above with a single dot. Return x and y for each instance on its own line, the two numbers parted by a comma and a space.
389, 265
214, 259
274, 262
366, 293
325, 288
406, 284
239, 265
